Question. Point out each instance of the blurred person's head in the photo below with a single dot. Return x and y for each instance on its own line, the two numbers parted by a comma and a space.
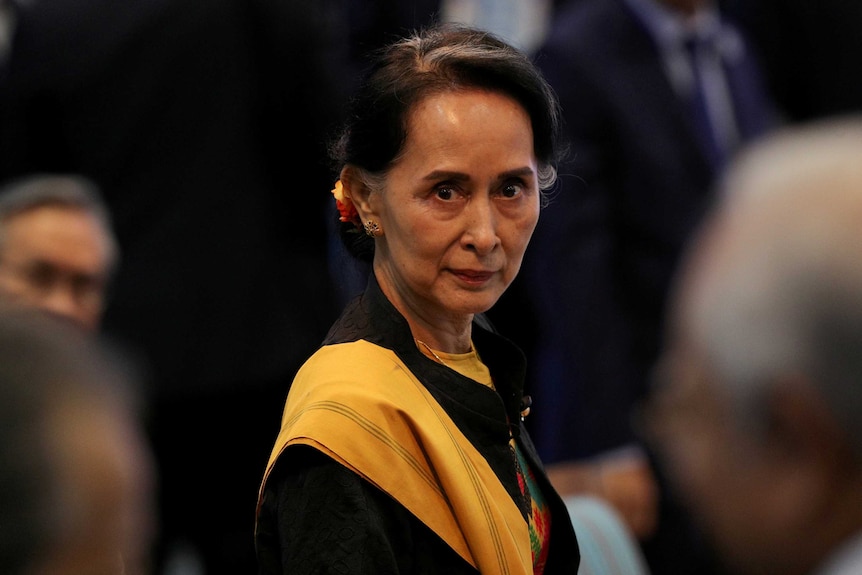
758, 405
76, 474
57, 249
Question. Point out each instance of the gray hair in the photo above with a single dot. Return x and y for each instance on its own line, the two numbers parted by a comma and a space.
64, 190
775, 281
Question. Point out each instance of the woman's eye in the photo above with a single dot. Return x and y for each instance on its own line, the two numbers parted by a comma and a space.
512, 189
445, 193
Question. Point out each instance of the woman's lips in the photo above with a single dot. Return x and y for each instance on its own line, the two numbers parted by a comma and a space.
473, 277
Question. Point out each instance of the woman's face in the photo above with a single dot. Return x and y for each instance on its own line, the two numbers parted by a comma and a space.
459, 206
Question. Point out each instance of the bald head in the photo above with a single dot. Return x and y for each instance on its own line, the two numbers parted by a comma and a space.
758, 413
774, 282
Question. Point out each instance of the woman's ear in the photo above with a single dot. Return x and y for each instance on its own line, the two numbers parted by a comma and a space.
358, 192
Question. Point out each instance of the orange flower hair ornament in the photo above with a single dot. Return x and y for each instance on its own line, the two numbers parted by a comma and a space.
346, 209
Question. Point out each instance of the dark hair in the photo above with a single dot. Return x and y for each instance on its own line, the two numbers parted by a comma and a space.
444, 58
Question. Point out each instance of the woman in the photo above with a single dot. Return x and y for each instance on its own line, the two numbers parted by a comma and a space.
402, 448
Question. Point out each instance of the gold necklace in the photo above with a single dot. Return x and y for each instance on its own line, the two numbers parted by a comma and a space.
431, 351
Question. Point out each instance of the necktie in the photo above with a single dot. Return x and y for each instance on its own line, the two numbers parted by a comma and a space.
710, 103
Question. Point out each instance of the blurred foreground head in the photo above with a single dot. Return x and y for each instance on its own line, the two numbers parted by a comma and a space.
76, 475
57, 250
758, 402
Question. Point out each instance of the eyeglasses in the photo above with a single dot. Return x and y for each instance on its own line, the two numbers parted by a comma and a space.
39, 279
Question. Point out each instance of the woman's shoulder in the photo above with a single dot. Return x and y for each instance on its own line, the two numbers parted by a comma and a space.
357, 358
356, 368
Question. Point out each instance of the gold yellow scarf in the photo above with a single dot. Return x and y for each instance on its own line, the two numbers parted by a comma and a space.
388, 429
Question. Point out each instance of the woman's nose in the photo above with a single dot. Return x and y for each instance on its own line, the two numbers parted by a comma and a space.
481, 228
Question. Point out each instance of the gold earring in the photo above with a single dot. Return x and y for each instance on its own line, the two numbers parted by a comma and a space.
372, 229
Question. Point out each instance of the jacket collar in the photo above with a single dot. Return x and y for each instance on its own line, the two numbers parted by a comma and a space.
372, 317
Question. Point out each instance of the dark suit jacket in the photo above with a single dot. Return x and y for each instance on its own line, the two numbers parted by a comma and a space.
606, 249
607, 246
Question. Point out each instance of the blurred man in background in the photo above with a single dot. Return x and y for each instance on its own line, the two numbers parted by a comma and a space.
57, 250
658, 95
758, 406
204, 124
